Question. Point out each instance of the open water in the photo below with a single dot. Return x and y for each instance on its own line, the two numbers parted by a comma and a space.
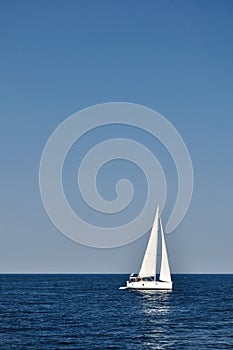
90, 312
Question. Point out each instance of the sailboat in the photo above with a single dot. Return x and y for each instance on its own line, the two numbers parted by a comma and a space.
146, 278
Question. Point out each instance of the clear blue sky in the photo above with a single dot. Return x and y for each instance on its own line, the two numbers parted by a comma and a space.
58, 57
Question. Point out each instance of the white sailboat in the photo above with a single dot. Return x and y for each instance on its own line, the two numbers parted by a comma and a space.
146, 278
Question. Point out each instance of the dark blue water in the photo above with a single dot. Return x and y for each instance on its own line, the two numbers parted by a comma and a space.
90, 312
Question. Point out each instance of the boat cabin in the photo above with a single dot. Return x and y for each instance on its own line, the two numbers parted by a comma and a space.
136, 278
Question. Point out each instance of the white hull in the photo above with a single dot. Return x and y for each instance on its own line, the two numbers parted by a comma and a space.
152, 285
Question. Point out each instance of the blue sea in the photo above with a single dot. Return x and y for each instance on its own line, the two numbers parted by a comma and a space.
90, 312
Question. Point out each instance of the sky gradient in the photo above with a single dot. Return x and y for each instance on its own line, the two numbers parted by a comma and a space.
58, 57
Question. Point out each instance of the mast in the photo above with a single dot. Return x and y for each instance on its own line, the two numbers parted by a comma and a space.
165, 274
148, 267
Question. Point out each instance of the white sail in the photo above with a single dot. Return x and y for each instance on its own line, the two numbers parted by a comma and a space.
165, 274
148, 267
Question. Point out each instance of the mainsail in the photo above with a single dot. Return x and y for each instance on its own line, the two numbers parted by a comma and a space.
165, 274
148, 267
